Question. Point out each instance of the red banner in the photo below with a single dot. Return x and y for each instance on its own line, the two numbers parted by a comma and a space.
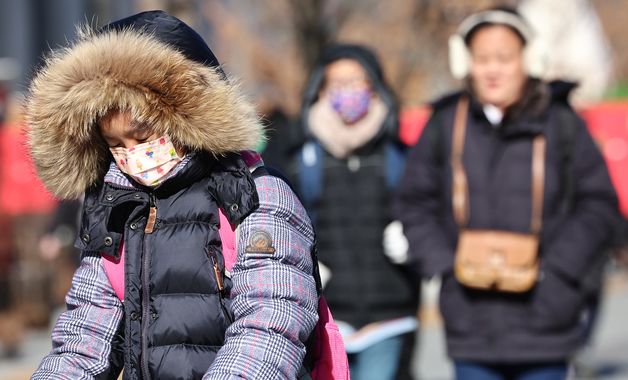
608, 123
21, 191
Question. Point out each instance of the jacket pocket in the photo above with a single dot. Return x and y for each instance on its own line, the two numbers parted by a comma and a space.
556, 303
456, 309
223, 283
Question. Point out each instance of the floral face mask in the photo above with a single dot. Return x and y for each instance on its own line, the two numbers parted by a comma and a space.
350, 104
148, 163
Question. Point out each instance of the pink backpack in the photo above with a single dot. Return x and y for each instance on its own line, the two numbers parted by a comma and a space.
329, 355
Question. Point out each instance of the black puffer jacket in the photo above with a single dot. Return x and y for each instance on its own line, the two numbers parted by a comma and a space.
353, 208
174, 312
542, 324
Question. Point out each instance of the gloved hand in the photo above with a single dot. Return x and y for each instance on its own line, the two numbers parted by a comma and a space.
325, 273
395, 243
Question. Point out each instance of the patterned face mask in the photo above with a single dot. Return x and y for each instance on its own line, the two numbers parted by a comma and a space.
148, 163
350, 104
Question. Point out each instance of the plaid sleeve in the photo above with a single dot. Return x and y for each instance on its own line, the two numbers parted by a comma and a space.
83, 335
274, 294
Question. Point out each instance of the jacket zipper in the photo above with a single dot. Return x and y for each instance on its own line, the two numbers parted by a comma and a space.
220, 283
150, 227
127, 360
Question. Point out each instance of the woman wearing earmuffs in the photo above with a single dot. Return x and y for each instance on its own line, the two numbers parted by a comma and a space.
508, 199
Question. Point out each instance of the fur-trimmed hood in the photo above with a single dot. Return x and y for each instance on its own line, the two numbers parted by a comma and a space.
150, 64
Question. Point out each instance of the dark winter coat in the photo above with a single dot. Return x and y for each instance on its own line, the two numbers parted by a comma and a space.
354, 207
174, 311
542, 324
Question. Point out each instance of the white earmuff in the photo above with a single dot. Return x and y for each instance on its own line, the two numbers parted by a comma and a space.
535, 58
459, 57
535, 53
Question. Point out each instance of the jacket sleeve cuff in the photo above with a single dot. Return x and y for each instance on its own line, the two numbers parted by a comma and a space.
437, 265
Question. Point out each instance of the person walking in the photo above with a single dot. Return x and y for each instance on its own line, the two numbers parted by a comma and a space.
139, 116
345, 171
507, 198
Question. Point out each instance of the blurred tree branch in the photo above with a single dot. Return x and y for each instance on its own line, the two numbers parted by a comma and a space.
274, 45
316, 23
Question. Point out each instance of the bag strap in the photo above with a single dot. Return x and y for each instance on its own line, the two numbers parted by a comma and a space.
460, 186
538, 183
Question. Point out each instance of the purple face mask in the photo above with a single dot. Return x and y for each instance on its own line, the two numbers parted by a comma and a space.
351, 105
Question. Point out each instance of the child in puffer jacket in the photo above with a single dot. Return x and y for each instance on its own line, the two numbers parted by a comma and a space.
139, 117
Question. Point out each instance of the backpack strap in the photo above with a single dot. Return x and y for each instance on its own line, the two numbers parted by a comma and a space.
330, 355
310, 163
228, 238
256, 165
114, 268
326, 357
395, 156
310, 171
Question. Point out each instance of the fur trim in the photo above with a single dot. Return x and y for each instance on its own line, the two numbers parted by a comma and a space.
133, 71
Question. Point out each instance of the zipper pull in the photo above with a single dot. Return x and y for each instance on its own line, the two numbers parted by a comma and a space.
152, 216
217, 272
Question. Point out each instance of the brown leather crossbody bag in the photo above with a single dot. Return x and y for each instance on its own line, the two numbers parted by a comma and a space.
492, 259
